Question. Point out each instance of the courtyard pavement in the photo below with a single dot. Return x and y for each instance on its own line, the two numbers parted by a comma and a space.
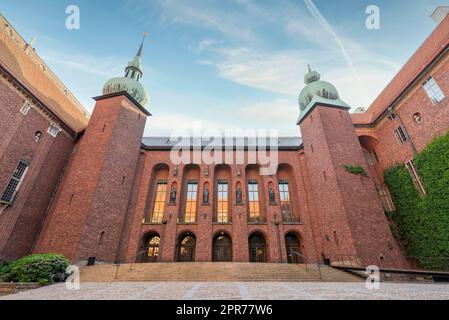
236, 291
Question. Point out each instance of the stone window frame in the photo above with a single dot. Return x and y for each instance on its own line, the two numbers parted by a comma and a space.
26, 107
401, 135
433, 90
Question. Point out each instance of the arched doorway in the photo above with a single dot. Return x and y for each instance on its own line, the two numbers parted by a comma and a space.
186, 248
257, 248
293, 248
151, 252
222, 248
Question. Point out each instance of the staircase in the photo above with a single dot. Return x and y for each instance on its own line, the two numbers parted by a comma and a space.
217, 272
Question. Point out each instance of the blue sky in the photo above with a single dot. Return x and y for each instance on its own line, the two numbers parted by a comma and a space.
229, 64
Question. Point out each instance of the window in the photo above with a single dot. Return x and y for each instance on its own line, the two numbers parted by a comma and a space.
190, 212
385, 197
14, 183
25, 107
286, 205
159, 202
222, 202
416, 178
433, 90
401, 136
393, 116
253, 201
54, 129
371, 157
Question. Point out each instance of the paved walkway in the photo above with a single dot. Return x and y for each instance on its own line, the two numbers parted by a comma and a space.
237, 291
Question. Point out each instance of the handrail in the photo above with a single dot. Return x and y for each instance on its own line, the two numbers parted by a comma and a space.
125, 259
307, 262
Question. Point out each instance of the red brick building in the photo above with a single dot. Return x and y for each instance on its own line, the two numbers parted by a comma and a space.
93, 187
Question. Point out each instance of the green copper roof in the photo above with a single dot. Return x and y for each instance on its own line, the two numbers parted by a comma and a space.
130, 82
317, 91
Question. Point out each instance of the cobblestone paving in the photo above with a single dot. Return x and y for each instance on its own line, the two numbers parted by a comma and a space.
236, 291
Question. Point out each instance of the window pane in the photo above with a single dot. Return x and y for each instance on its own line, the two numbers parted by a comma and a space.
159, 204
253, 197
190, 211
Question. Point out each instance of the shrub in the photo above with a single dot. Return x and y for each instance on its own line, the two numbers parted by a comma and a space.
5, 268
424, 222
42, 268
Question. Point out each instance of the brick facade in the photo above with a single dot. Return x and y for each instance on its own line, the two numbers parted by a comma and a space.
90, 191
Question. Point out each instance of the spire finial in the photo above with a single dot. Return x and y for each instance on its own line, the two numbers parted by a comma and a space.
139, 53
308, 67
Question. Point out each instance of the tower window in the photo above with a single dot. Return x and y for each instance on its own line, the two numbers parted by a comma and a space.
15, 182
253, 201
159, 202
433, 90
401, 136
192, 193
416, 178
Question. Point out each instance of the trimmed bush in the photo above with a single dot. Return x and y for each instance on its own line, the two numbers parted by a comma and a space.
5, 268
41, 268
424, 222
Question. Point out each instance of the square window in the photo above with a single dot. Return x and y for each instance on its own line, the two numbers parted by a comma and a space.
433, 91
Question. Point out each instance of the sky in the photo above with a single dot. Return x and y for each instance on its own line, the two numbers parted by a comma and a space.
228, 64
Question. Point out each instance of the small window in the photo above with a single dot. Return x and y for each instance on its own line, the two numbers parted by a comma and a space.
416, 178
54, 129
393, 116
433, 90
387, 201
25, 108
14, 183
401, 136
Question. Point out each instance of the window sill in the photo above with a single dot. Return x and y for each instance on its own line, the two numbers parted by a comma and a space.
152, 223
257, 223
188, 223
222, 223
292, 223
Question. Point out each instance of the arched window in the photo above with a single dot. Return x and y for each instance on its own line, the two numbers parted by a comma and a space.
222, 248
186, 248
292, 245
151, 248
257, 248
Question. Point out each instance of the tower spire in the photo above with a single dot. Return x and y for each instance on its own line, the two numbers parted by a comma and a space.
139, 52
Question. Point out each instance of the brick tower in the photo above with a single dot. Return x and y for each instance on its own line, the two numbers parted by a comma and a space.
349, 215
88, 212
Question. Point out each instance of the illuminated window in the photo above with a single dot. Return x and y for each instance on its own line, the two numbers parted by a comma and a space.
222, 202
416, 178
14, 184
190, 212
159, 202
286, 205
433, 90
153, 248
253, 201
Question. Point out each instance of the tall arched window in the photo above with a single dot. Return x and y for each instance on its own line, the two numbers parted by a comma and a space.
159, 201
186, 248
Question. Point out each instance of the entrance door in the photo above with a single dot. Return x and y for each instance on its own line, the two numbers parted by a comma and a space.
186, 248
222, 249
293, 249
152, 252
257, 248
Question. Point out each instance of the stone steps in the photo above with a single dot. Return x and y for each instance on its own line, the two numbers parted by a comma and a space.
209, 272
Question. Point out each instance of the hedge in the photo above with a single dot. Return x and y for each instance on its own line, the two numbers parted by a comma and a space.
424, 222
41, 268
